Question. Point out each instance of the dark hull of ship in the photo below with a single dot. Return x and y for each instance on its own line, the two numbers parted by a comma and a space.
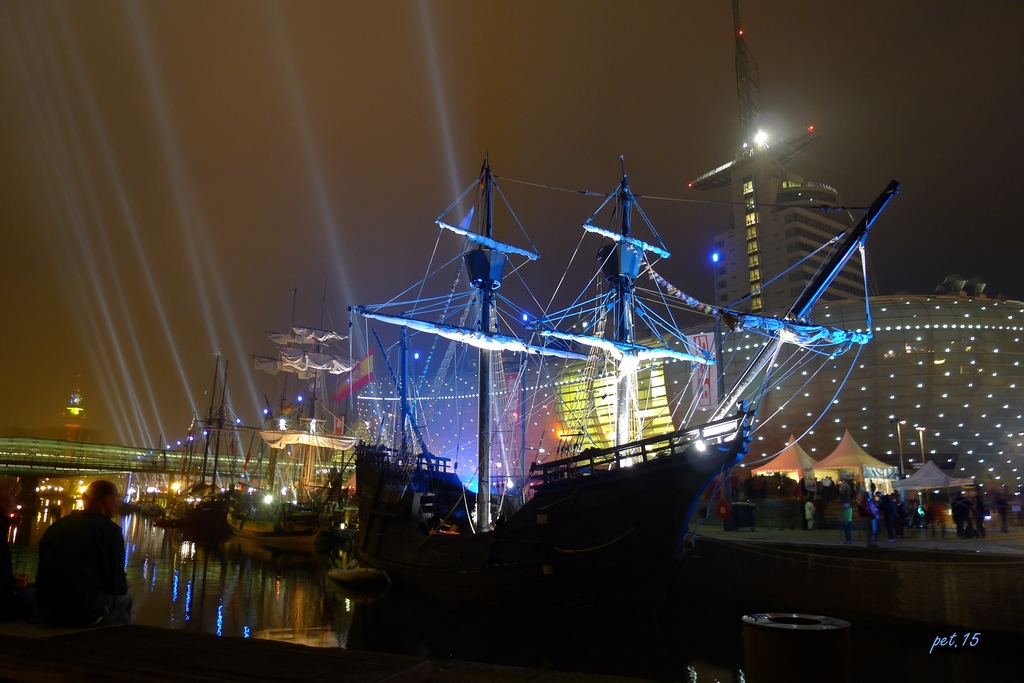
599, 538
207, 516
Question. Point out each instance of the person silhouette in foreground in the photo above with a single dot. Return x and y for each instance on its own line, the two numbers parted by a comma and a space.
81, 579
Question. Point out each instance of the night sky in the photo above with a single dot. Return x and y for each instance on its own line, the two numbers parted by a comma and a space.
170, 172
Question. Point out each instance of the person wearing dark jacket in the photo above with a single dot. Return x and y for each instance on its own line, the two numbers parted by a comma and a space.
980, 512
888, 507
17, 601
81, 579
962, 516
1001, 508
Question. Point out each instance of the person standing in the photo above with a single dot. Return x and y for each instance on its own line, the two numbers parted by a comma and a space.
17, 601
819, 510
962, 516
901, 513
809, 514
847, 517
81, 579
872, 510
1001, 509
826, 487
980, 511
888, 507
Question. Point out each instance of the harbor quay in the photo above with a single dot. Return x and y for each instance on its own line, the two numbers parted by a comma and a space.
918, 581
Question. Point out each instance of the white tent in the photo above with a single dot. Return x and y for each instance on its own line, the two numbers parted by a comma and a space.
931, 477
848, 455
791, 459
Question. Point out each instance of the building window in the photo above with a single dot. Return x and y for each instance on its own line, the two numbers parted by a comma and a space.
753, 261
751, 247
755, 304
752, 219
748, 185
755, 275
750, 203
752, 232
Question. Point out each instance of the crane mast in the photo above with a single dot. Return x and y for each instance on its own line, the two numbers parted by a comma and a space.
748, 88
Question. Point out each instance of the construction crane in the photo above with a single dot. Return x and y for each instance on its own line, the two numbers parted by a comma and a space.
748, 91
748, 87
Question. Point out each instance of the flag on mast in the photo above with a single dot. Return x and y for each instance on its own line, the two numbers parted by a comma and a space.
359, 377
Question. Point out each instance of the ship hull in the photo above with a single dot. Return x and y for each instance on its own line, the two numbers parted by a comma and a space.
598, 538
278, 528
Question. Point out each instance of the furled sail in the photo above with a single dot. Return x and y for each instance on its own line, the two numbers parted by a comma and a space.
482, 340
625, 350
618, 237
303, 363
488, 242
305, 335
288, 437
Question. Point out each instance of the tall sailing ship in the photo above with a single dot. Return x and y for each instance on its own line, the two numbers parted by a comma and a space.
604, 521
295, 496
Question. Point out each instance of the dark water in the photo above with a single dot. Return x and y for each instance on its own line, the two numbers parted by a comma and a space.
235, 587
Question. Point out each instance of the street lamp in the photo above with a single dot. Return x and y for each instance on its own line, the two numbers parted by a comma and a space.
899, 439
719, 371
920, 434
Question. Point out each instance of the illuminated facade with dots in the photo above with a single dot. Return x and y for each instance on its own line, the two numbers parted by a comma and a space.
952, 366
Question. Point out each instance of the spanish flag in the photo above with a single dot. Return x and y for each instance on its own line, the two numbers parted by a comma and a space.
358, 377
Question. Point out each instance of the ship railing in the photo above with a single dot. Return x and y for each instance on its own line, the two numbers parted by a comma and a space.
389, 457
594, 460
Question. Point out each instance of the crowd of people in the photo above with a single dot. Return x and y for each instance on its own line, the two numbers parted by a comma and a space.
80, 579
890, 512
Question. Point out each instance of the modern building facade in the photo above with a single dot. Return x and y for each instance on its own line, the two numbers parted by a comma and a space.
782, 229
942, 379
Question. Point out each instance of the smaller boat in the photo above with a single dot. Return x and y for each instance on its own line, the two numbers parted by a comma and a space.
169, 522
359, 575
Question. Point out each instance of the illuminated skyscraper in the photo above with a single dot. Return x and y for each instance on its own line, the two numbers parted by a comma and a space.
781, 228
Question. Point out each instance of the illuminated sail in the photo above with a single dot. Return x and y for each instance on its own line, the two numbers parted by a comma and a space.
288, 437
490, 341
625, 350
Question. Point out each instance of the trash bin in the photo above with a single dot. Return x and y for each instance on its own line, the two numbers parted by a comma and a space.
742, 516
774, 641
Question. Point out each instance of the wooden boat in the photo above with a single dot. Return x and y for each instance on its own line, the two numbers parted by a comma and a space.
597, 526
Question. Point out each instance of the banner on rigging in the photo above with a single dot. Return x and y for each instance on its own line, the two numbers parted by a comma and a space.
705, 377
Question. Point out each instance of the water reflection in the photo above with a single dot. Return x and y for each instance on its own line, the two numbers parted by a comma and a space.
238, 587
224, 586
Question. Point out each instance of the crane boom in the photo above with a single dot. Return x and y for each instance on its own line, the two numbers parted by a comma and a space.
748, 87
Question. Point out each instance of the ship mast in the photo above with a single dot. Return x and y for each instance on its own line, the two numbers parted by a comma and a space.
485, 267
621, 264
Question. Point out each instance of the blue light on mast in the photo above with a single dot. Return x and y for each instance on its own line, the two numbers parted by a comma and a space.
714, 257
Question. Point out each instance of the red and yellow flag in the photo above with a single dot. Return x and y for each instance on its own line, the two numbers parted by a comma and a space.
359, 377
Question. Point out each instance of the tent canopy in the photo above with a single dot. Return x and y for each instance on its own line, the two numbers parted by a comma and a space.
848, 455
930, 476
791, 459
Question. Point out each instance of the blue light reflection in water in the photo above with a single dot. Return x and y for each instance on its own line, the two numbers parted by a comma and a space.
242, 589
233, 587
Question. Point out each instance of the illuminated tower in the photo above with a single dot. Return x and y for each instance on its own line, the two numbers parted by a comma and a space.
74, 414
